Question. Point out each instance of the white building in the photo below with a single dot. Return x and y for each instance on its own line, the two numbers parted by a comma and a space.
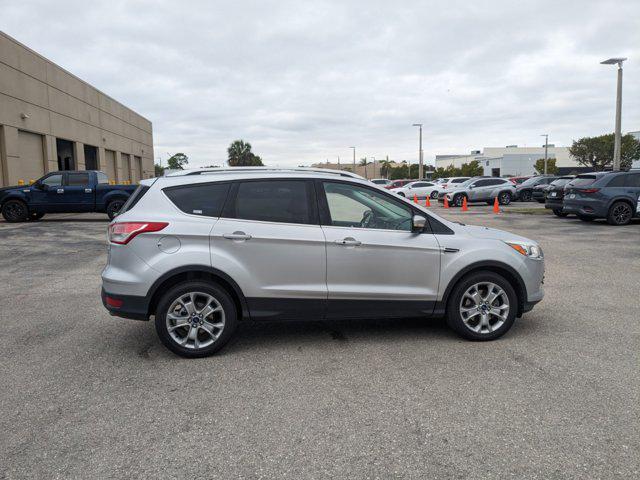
512, 160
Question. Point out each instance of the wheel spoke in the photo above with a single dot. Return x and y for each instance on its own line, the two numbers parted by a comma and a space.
178, 325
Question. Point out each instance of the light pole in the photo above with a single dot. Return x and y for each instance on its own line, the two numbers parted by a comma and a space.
546, 148
618, 133
354, 159
420, 167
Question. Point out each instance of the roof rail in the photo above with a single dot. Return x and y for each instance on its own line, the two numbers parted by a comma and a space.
210, 171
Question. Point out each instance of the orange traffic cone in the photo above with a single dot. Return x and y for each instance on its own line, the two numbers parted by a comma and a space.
464, 204
496, 206
415, 198
446, 202
427, 203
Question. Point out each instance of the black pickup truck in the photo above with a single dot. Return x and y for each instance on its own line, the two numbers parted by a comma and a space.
68, 191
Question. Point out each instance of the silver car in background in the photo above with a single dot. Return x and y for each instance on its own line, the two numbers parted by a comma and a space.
201, 253
483, 189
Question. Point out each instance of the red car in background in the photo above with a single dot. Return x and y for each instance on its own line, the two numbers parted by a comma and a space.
518, 180
399, 183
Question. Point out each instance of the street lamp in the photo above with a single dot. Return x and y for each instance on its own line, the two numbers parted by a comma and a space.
419, 152
546, 148
618, 134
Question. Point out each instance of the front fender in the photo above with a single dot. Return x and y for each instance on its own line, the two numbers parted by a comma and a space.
14, 195
114, 195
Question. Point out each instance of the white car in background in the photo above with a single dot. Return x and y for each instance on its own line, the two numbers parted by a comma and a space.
447, 185
420, 188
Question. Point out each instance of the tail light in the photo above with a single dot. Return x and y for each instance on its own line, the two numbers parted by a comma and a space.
123, 232
588, 190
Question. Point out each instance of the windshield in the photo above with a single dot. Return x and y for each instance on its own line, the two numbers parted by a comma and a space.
530, 181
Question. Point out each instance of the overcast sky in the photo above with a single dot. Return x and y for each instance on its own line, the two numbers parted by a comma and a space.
303, 81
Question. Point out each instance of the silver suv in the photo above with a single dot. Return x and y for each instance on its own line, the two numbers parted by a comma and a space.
201, 253
483, 189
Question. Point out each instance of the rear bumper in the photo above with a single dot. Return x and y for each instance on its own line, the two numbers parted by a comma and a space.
553, 203
587, 208
130, 306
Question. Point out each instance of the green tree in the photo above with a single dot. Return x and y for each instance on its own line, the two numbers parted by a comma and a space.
177, 161
363, 162
471, 169
159, 170
551, 166
240, 155
385, 168
597, 152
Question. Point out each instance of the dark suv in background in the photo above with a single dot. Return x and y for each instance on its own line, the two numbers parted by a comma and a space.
610, 195
555, 194
524, 191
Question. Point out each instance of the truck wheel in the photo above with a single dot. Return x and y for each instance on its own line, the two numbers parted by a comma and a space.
15, 211
620, 213
35, 216
559, 213
113, 208
196, 319
482, 306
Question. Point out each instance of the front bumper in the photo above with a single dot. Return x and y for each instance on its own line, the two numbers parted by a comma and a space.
126, 306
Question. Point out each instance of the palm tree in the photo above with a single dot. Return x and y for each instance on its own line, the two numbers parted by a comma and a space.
385, 168
363, 162
240, 155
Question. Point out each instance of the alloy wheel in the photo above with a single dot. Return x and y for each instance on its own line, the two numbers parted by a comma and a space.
195, 320
621, 213
484, 307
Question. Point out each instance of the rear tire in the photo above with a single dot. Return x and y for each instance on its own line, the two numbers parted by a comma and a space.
192, 332
15, 211
525, 196
620, 213
401, 194
114, 207
457, 200
559, 213
434, 195
465, 324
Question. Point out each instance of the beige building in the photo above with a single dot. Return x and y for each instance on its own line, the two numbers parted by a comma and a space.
51, 120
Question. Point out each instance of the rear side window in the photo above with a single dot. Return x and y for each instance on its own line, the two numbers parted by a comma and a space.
102, 178
561, 181
459, 180
583, 180
284, 201
205, 199
134, 198
618, 181
77, 179
633, 180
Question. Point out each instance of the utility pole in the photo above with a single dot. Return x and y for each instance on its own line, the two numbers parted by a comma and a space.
546, 148
618, 132
421, 166
374, 166
338, 162
354, 159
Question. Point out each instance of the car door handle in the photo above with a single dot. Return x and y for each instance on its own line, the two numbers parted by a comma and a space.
60, 190
87, 190
349, 241
237, 236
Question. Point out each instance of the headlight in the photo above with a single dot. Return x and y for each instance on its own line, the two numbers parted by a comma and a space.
527, 249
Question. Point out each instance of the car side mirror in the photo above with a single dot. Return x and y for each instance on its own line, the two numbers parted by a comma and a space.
418, 223
471, 187
40, 186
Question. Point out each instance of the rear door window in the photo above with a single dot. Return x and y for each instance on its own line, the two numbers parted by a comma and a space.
282, 201
618, 181
77, 179
205, 199
633, 180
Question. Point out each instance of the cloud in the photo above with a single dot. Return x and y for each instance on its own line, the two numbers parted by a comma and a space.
303, 81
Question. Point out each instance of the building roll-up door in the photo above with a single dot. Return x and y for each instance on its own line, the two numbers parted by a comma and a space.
126, 168
29, 165
137, 169
110, 165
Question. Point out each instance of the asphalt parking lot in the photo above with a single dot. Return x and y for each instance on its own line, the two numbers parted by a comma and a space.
87, 395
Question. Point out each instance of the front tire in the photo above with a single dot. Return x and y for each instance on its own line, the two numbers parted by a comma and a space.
482, 306
525, 196
113, 208
504, 198
15, 211
458, 200
620, 213
196, 319
401, 194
